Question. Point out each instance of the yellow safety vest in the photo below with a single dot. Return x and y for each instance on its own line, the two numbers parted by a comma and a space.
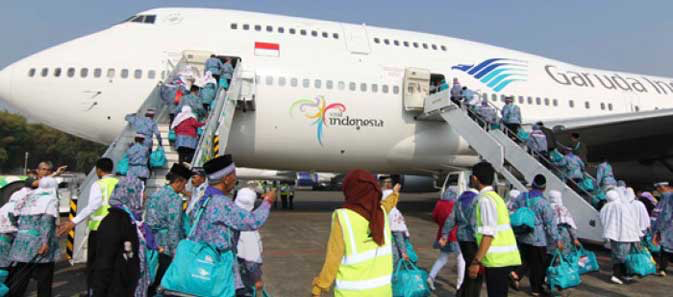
366, 268
503, 251
107, 185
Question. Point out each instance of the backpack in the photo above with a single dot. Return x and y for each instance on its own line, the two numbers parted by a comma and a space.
523, 219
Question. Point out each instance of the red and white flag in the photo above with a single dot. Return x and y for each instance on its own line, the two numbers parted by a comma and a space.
267, 49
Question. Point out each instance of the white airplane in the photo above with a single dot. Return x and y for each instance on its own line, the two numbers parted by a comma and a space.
329, 95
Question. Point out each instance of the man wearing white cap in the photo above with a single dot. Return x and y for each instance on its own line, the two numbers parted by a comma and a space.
663, 226
138, 155
250, 245
145, 126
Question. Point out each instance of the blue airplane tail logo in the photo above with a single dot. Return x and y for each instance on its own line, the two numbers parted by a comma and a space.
496, 73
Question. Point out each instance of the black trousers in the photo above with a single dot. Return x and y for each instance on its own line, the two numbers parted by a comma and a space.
663, 259
164, 262
185, 154
171, 117
21, 274
536, 259
90, 260
497, 284
470, 287
283, 200
513, 131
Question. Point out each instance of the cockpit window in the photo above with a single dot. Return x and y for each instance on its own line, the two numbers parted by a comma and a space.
138, 19
150, 19
147, 19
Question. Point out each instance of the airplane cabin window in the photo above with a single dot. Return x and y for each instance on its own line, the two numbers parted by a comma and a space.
329, 84
258, 27
443, 48
84, 72
602, 106
281, 30
335, 35
571, 103
306, 83
637, 108
610, 106
425, 46
555, 102
415, 44
314, 33
351, 86
406, 43
269, 29
302, 32
150, 19
341, 85
124, 73
281, 81
317, 84
269, 80
293, 31
110, 73
377, 40
410, 89
587, 105
375, 88
138, 74
530, 100
234, 26
294, 82
502, 98
325, 35
57, 72
521, 100
97, 72
31, 72
434, 47
494, 98
246, 27
396, 42
546, 101
384, 89
45, 71
386, 41
396, 89
538, 101
71, 72
363, 87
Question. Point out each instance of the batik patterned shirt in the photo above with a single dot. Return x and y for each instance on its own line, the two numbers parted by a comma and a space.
145, 126
138, 157
463, 217
664, 222
34, 231
545, 229
163, 214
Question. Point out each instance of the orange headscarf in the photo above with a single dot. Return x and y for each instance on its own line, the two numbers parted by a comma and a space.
363, 195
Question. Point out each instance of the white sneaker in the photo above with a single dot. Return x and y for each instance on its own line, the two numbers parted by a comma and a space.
662, 273
431, 283
616, 280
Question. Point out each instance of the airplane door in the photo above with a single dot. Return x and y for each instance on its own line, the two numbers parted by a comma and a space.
357, 39
416, 88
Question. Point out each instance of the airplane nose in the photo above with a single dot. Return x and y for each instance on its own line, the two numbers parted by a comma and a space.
5, 85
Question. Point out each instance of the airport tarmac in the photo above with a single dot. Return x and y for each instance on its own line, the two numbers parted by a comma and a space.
294, 247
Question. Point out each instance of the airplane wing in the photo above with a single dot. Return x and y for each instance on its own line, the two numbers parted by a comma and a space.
641, 142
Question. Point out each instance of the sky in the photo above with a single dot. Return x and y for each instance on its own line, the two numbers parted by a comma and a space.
619, 35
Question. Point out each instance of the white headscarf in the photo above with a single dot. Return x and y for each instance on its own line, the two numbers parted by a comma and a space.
184, 115
511, 198
618, 221
397, 223
41, 201
6, 225
206, 79
562, 214
250, 242
639, 209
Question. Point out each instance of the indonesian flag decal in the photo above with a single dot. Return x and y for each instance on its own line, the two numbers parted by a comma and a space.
267, 49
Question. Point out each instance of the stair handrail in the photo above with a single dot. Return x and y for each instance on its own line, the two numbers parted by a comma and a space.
205, 145
117, 148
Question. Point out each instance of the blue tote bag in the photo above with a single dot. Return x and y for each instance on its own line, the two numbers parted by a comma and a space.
640, 262
585, 261
561, 274
158, 158
411, 253
199, 269
409, 281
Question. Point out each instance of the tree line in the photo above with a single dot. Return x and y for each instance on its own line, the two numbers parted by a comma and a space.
18, 136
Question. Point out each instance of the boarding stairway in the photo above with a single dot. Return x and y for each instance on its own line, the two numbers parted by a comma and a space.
216, 130
512, 161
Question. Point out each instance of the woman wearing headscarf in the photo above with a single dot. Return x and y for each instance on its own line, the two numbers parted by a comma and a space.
442, 212
7, 227
35, 246
208, 90
121, 268
621, 229
185, 126
250, 246
359, 226
565, 223
639, 211
648, 200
